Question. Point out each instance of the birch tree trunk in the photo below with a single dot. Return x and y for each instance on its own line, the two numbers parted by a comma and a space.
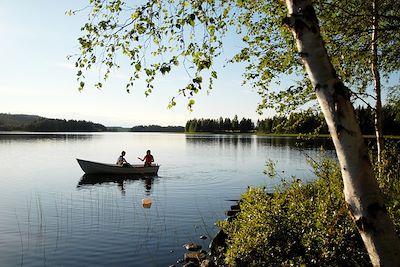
377, 85
361, 189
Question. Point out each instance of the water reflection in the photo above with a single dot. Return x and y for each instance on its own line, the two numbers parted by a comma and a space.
220, 140
247, 140
41, 136
120, 180
300, 143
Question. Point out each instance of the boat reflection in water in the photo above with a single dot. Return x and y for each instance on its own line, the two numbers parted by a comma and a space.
120, 180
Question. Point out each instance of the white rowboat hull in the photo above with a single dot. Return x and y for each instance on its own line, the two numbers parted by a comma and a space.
91, 167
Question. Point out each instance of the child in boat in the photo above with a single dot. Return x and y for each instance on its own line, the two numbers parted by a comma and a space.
148, 159
121, 161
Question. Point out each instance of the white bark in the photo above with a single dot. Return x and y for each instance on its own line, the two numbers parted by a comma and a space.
361, 189
377, 85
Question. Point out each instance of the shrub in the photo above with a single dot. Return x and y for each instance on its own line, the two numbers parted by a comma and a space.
305, 224
389, 179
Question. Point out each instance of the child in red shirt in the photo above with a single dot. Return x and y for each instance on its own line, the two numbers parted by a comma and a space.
148, 159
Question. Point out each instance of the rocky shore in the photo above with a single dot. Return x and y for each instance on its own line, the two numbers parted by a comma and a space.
196, 256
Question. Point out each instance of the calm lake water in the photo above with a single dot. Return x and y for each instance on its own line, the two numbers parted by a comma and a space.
50, 215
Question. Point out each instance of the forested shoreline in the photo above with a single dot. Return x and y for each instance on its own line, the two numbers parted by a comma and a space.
33, 123
220, 125
303, 122
157, 128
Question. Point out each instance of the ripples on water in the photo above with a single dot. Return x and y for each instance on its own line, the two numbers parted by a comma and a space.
51, 214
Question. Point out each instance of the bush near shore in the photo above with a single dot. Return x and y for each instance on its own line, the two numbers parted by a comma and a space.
306, 224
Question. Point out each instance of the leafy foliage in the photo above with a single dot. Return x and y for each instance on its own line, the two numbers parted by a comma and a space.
389, 180
304, 224
347, 28
393, 103
156, 37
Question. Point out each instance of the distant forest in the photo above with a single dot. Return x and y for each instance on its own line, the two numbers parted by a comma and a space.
312, 122
157, 128
33, 123
220, 125
295, 123
301, 122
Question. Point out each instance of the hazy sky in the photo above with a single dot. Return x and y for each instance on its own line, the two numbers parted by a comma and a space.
36, 78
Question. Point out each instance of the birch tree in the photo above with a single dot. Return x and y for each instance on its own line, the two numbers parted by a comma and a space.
361, 37
278, 38
360, 186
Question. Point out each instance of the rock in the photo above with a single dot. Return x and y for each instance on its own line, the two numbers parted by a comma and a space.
235, 207
207, 263
219, 241
230, 219
192, 246
195, 257
203, 237
231, 212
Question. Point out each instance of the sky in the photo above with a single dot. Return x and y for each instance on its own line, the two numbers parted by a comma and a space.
36, 77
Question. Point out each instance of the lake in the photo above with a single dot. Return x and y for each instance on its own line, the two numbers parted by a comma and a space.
51, 215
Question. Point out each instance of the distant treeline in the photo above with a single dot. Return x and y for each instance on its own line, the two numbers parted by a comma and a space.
220, 125
33, 123
16, 122
157, 128
301, 122
390, 120
296, 123
57, 125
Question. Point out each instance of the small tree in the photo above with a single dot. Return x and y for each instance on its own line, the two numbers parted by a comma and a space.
363, 51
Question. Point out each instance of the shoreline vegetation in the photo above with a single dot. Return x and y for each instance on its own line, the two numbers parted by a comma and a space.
305, 123
304, 224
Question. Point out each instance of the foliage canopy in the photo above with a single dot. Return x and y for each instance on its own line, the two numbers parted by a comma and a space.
159, 36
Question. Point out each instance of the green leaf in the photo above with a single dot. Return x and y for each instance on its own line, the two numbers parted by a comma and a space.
135, 14
190, 104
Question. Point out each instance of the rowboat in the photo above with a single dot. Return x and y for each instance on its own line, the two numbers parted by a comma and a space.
91, 167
